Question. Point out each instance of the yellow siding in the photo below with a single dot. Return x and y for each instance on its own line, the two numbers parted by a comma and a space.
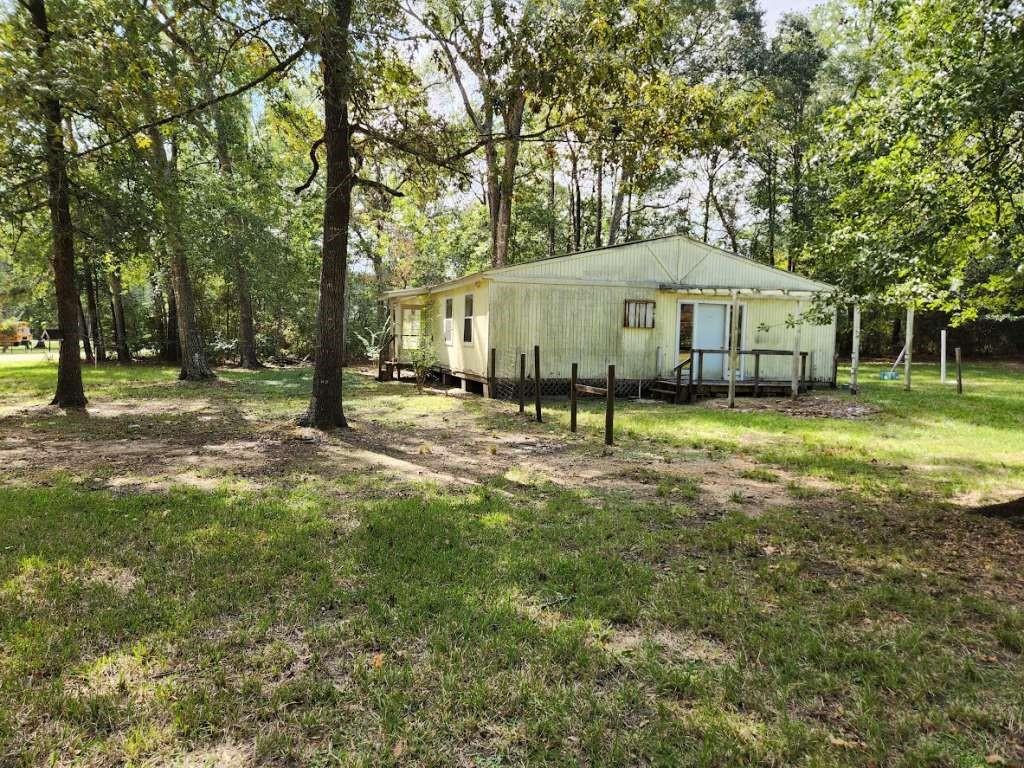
457, 355
583, 324
573, 308
580, 324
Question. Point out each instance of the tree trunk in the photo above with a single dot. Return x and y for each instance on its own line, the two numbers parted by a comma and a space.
69, 392
173, 334
83, 327
93, 299
124, 354
773, 216
325, 405
246, 326
796, 214
575, 200
551, 201
513, 127
599, 203
190, 340
620, 194
159, 315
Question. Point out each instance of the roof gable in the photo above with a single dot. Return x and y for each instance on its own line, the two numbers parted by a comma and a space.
675, 260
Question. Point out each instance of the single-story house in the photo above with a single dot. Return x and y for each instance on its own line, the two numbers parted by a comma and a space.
643, 306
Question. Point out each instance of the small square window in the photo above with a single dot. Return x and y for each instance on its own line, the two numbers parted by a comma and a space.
638, 314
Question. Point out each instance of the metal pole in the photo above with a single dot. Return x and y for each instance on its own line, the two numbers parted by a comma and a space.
734, 322
795, 367
942, 356
855, 351
909, 348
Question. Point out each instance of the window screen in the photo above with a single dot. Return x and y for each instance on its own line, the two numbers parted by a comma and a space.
638, 314
467, 320
449, 321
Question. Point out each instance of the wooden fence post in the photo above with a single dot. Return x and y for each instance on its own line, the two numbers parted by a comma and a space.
491, 368
757, 373
522, 382
679, 383
959, 374
609, 408
689, 381
536, 382
572, 396
835, 371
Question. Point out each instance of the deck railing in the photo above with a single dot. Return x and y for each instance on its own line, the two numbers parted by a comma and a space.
757, 353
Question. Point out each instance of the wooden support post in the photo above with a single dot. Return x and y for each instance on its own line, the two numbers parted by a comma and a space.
700, 369
573, 377
757, 373
609, 408
491, 368
734, 336
536, 382
835, 371
794, 373
855, 351
909, 348
803, 369
959, 373
689, 383
522, 382
679, 383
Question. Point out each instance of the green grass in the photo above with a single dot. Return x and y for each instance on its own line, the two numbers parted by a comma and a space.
346, 617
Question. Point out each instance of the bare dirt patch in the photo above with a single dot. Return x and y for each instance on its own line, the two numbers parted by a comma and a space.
807, 406
673, 643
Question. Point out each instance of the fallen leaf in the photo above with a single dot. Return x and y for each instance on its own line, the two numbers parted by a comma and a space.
378, 660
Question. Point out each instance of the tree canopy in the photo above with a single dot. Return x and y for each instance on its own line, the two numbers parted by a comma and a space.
240, 182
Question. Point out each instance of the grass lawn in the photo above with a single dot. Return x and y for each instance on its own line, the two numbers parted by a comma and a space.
186, 578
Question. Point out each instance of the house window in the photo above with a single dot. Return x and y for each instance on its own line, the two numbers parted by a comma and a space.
449, 320
638, 314
467, 320
685, 327
411, 319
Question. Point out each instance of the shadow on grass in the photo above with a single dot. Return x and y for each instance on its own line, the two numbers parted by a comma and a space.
439, 626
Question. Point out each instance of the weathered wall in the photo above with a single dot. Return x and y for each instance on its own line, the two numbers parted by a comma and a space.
457, 355
583, 324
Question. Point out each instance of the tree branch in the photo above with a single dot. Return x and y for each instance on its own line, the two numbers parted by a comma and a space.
316, 167
363, 182
277, 68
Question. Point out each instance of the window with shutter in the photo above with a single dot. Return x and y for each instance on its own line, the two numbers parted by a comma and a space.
638, 314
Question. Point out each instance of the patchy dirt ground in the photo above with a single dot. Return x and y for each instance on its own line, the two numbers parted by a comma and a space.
807, 406
155, 444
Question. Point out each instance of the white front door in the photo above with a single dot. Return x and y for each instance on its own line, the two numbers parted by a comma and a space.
710, 332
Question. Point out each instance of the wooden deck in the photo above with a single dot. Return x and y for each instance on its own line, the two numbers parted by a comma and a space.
666, 388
